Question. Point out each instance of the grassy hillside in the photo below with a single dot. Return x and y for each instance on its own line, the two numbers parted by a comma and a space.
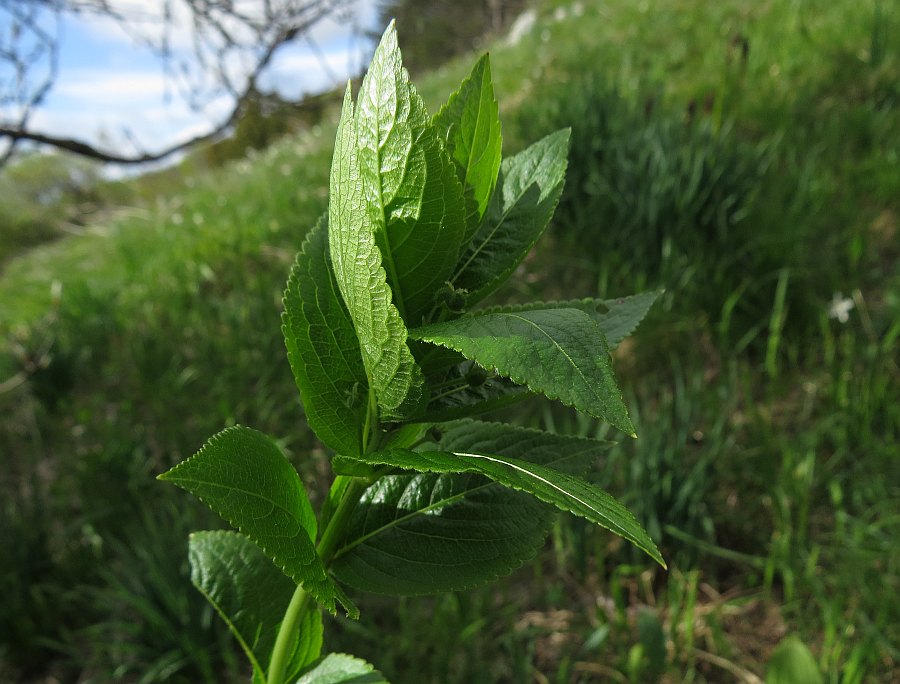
745, 156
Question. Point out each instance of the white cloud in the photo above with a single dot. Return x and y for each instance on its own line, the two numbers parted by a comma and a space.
125, 111
103, 87
301, 71
114, 88
150, 22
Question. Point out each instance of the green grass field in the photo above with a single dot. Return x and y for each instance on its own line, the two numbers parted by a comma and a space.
743, 155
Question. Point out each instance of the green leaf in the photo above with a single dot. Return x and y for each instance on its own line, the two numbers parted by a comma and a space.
559, 352
470, 124
242, 475
390, 367
793, 663
623, 315
323, 348
340, 668
618, 317
414, 198
528, 191
250, 594
460, 388
494, 394
560, 489
465, 389
428, 532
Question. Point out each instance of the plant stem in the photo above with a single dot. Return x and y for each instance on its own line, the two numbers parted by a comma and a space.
332, 534
326, 548
331, 537
446, 393
285, 638
370, 427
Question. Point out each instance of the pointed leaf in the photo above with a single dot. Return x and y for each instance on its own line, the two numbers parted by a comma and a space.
340, 668
470, 125
559, 352
428, 532
528, 191
250, 594
242, 475
323, 348
389, 364
618, 317
566, 492
412, 194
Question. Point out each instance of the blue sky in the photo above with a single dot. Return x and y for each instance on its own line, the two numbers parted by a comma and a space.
112, 91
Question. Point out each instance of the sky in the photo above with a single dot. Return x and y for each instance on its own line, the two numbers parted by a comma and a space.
115, 93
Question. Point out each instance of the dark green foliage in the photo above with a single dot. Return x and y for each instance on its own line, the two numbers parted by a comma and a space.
248, 592
400, 228
649, 185
151, 625
435, 31
803, 466
478, 531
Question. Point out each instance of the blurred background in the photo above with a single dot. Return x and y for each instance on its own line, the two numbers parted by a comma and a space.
743, 155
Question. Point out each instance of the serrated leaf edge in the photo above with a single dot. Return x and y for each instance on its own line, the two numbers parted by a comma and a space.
498, 280
349, 607
492, 577
572, 304
519, 380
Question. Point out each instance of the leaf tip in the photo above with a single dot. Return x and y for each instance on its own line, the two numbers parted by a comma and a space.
389, 37
657, 556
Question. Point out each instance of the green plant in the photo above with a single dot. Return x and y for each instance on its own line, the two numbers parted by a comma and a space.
392, 361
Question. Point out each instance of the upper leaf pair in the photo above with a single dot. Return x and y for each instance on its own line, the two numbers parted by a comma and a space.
404, 219
396, 223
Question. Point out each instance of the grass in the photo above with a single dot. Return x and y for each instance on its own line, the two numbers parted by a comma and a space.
743, 155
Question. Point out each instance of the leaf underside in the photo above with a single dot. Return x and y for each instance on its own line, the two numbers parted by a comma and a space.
250, 594
565, 491
390, 367
242, 475
558, 352
340, 668
323, 349
433, 532
413, 196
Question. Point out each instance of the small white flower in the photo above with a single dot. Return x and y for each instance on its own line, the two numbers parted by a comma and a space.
840, 307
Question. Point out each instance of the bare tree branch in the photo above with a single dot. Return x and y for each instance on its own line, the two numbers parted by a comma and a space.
232, 42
